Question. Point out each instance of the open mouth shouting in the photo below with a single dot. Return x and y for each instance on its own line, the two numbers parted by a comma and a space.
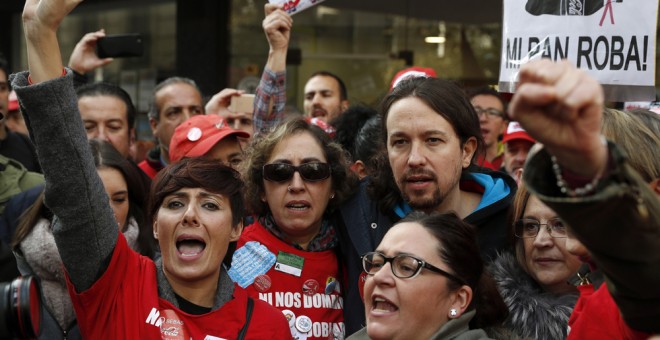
381, 305
318, 112
190, 247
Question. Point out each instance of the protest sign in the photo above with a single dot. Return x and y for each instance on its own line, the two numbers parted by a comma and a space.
612, 40
294, 6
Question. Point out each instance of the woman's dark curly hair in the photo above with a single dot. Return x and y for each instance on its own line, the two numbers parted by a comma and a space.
261, 149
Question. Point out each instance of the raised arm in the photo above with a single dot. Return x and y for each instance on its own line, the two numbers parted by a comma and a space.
619, 219
83, 59
85, 229
270, 97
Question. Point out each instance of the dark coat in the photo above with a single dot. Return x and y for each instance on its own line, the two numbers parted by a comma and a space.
533, 313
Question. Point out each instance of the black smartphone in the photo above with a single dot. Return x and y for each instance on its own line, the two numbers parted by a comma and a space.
120, 46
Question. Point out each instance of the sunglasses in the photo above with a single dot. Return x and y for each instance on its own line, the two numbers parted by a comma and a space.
310, 172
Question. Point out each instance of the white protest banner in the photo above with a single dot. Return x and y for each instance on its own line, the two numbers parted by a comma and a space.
294, 6
612, 40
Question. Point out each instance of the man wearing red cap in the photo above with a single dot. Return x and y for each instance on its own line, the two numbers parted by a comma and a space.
491, 109
207, 136
517, 143
412, 72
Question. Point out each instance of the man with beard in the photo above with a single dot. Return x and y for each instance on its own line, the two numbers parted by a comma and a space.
325, 93
431, 137
325, 96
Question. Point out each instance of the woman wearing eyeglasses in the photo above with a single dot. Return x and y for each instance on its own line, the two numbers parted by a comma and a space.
534, 281
295, 177
426, 280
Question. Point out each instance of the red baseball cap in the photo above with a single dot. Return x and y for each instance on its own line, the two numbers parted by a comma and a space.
197, 135
515, 131
412, 72
13, 102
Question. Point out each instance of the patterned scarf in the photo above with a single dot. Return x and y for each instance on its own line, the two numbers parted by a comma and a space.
326, 238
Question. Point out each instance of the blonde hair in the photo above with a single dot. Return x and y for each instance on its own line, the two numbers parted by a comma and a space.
636, 139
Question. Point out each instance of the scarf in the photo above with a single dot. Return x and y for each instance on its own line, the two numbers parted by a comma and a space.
41, 254
326, 238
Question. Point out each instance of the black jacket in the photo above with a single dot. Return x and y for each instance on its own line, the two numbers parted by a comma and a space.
363, 225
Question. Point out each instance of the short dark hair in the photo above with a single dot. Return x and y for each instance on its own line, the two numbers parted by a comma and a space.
348, 125
487, 91
343, 93
447, 100
201, 173
154, 109
367, 143
111, 90
261, 149
459, 250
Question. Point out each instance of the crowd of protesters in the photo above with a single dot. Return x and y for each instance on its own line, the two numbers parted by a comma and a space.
444, 213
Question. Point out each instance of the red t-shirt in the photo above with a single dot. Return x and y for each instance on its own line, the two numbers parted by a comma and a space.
124, 304
306, 283
596, 316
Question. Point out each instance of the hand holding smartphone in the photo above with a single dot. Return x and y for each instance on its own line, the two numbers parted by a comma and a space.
120, 46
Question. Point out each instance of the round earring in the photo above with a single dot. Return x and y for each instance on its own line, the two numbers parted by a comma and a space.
332, 196
453, 312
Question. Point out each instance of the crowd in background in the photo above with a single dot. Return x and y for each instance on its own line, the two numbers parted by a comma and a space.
444, 213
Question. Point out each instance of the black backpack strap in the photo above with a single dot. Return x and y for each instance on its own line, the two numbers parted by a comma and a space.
248, 316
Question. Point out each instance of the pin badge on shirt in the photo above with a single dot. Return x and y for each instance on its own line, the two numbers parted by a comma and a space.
262, 283
310, 287
303, 324
331, 285
289, 263
290, 317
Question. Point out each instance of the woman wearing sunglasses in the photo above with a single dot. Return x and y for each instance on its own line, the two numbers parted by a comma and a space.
196, 207
534, 281
426, 280
295, 177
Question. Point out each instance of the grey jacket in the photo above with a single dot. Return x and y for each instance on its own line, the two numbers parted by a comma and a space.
455, 329
84, 226
620, 225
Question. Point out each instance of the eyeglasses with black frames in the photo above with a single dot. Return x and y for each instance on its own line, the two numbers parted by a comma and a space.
310, 172
403, 266
529, 228
488, 112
